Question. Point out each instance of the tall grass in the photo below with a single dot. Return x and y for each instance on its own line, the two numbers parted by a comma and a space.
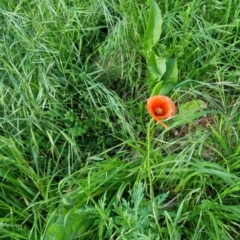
79, 158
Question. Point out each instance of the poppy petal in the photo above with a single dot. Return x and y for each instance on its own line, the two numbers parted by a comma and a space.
161, 107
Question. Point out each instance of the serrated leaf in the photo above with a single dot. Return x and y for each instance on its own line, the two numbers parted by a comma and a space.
161, 198
137, 196
171, 73
154, 28
67, 227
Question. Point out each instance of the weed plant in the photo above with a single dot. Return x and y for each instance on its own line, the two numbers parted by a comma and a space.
79, 156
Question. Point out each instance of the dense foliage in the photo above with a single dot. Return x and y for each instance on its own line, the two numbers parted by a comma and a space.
80, 157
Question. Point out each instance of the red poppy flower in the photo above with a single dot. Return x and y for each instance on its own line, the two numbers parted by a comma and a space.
161, 107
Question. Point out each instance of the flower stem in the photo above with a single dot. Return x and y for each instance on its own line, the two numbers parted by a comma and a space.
148, 163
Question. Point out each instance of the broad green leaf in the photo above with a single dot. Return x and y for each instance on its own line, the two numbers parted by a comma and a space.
160, 64
157, 89
67, 227
166, 88
154, 28
156, 67
171, 73
189, 109
192, 107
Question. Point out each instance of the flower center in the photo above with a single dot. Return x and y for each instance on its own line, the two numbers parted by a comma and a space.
158, 111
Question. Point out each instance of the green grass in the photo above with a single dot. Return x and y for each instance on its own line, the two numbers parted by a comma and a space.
80, 158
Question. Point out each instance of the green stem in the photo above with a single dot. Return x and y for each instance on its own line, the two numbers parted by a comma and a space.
148, 163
